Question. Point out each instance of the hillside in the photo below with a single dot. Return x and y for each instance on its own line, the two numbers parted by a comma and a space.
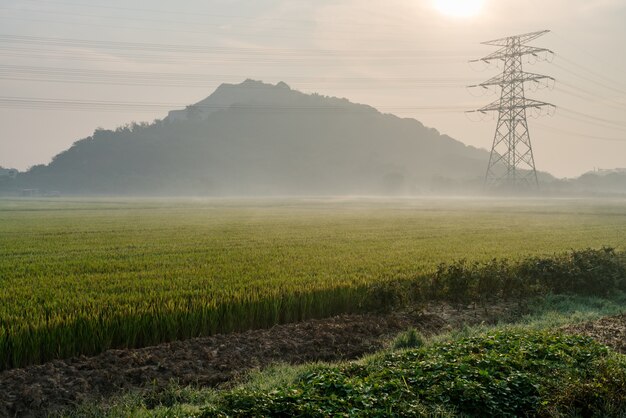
261, 139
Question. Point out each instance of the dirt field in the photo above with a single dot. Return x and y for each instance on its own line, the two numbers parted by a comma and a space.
610, 331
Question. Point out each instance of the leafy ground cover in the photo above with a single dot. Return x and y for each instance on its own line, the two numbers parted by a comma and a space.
82, 276
497, 374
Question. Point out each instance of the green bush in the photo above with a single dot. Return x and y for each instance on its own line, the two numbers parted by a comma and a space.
584, 272
384, 296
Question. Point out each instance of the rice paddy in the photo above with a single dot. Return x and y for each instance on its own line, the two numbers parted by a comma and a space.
81, 276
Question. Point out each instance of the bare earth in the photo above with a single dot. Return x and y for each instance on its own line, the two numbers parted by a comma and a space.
610, 330
39, 390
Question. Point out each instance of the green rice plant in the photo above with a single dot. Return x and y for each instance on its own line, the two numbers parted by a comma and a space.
82, 276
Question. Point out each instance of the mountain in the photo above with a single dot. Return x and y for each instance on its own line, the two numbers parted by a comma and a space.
262, 139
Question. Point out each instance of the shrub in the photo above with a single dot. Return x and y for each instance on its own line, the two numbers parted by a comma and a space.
384, 296
585, 272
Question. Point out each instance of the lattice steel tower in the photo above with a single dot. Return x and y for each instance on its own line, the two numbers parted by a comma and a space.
512, 164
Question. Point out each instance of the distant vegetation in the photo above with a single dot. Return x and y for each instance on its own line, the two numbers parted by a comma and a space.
605, 181
82, 276
7, 177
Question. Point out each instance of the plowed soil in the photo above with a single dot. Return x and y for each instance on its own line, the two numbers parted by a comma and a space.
42, 389
610, 330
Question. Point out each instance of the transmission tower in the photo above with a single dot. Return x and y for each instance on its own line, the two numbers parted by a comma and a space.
511, 163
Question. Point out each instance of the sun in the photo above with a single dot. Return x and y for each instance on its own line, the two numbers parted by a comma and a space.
459, 8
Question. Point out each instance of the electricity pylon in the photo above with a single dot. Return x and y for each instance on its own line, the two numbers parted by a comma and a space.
512, 164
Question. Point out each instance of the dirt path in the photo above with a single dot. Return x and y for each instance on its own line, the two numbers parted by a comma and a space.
39, 390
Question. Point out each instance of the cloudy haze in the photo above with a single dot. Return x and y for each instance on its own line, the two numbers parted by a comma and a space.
68, 67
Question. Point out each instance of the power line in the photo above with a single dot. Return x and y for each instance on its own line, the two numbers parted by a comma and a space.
588, 53
576, 92
143, 78
87, 105
276, 32
210, 84
181, 13
606, 122
581, 135
134, 58
143, 74
588, 123
613, 88
204, 49
177, 59
592, 72
118, 17
186, 23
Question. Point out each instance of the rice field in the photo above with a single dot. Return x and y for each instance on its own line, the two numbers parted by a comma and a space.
81, 276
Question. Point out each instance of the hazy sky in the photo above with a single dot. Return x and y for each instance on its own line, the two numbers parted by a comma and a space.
67, 67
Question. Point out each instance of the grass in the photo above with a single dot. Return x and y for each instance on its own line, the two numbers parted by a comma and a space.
80, 276
550, 360
547, 313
